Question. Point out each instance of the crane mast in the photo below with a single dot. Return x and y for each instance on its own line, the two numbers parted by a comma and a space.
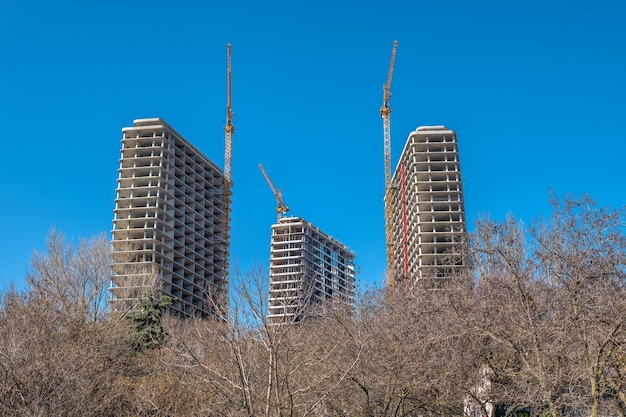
385, 112
229, 128
281, 206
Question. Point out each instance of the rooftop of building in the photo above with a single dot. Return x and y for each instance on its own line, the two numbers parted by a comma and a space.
283, 221
150, 123
422, 131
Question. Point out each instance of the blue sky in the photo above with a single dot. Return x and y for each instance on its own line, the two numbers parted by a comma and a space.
535, 91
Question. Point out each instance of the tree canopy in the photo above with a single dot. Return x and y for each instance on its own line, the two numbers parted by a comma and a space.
536, 325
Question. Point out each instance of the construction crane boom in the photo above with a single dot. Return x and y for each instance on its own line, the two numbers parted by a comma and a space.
227, 183
282, 207
385, 112
229, 128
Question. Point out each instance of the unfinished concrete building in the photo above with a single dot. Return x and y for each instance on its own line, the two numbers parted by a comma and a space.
308, 269
168, 230
428, 218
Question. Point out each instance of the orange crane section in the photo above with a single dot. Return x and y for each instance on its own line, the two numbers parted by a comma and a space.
385, 112
282, 207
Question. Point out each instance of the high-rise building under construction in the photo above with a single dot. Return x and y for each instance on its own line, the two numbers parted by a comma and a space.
308, 269
427, 212
169, 232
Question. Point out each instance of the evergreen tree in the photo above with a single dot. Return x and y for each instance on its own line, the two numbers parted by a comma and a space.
146, 322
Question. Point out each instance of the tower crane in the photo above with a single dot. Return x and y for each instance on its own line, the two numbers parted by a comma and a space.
282, 207
229, 128
385, 112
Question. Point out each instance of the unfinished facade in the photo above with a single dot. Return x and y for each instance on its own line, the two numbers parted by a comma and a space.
308, 268
168, 230
428, 217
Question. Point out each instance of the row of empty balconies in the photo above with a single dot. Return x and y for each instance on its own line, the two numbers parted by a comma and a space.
187, 197
169, 211
151, 143
311, 241
306, 268
427, 213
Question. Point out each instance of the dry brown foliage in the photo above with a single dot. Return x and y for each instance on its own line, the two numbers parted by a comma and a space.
537, 321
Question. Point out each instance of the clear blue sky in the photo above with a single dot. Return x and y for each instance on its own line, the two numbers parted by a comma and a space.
534, 89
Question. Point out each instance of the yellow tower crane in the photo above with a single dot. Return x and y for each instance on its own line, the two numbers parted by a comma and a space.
229, 129
282, 207
385, 112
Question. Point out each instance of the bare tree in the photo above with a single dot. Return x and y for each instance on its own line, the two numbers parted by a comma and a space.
60, 352
75, 279
250, 365
550, 300
52, 364
540, 327
409, 363
581, 251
